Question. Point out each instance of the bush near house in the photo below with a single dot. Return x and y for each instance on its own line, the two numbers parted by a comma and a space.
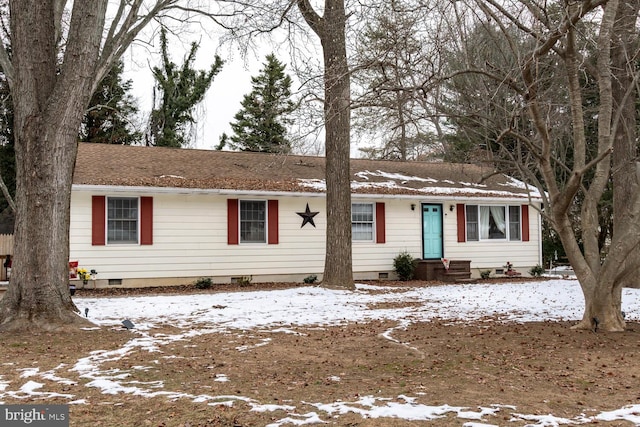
311, 279
404, 265
203, 283
536, 271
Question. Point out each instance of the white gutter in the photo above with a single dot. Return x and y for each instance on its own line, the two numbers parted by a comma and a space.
116, 189
183, 190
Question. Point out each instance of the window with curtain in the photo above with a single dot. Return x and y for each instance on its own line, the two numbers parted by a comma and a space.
493, 222
362, 221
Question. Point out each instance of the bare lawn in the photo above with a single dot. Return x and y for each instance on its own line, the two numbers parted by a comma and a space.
535, 368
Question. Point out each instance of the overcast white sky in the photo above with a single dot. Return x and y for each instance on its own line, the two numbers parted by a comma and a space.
223, 99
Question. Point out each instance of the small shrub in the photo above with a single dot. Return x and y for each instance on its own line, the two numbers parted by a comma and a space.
484, 274
536, 271
404, 265
204, 283
311, 279
245, 281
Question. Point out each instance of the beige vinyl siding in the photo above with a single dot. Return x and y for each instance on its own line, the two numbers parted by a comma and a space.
491, 254
403, 233
190, 240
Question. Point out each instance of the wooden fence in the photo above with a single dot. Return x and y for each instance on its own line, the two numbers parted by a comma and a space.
6, 244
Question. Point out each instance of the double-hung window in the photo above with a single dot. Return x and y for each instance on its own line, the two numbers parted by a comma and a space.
362, 221
122, 220
253, 218
493, 222
515, 223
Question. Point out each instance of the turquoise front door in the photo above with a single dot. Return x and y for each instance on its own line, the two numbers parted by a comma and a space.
431, 231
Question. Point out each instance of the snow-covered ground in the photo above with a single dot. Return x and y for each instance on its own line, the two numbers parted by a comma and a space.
316, 306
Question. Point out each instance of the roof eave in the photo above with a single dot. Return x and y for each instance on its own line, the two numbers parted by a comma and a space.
118, 189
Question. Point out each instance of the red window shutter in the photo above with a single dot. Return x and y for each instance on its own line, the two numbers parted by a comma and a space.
462, 223
232, 222
272, 218
525, 223
146, 220
381, 236
98, 220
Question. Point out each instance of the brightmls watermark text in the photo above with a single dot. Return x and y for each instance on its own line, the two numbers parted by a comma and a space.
34, 415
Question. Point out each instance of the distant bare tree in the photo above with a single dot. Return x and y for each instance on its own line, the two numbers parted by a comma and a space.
395, 57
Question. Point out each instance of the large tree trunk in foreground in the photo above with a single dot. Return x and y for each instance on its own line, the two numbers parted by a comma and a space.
623, 66
603, 299
602, 309
330, 28
38, 295
601, 280
49, 102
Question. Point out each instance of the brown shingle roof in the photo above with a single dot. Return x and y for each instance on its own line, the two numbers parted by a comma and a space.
118, 165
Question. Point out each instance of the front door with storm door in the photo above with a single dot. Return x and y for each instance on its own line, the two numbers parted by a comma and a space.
431, 231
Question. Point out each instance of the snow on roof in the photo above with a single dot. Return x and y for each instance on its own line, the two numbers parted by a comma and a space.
118, 165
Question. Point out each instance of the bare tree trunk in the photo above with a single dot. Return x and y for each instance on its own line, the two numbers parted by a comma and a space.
402, 124
603, 307
625, 185
48, 108
330, 28
603, 299
591, 166
38, 295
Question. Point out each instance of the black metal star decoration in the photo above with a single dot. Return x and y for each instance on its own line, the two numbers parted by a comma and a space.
307, 216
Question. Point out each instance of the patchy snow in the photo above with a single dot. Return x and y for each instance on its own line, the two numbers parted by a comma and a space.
473, 184
221, 378
393, 176
28, 390
629, 413
400, 182
533, 191
306, 306
281, 311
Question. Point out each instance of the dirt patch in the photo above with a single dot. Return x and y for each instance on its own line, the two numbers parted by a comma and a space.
220, 379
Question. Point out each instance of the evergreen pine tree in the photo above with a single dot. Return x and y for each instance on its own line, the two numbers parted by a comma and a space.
260, 124
181, 89
107, 119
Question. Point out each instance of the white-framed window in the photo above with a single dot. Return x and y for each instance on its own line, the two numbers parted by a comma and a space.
253, 220
362, 221
515, 223
122, 220
493, 222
